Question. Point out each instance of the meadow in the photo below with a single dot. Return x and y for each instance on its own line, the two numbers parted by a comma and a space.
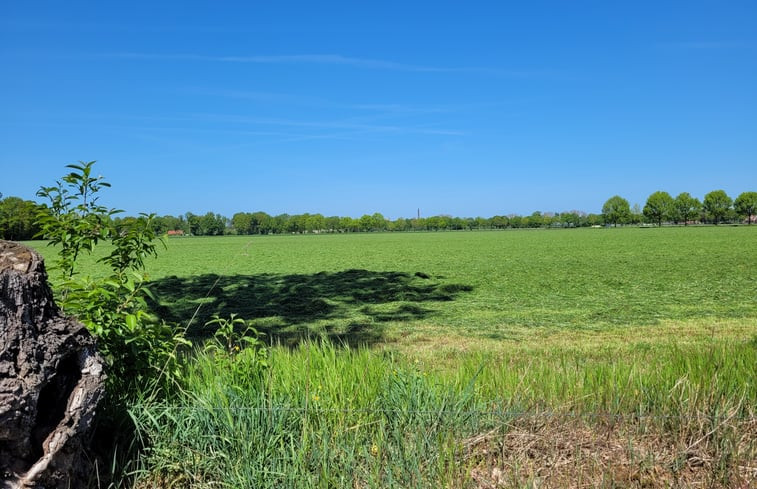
546, 358
506, 285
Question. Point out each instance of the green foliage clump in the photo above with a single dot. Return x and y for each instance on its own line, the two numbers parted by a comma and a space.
686, 208
138, 348
746, 205
659, 207
616, 210
237, 348
17, 218
717, 205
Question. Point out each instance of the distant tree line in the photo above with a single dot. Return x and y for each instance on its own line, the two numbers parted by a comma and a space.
250, 223
661, 208
18, 218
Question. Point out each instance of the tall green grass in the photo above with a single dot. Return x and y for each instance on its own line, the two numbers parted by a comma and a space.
326, 416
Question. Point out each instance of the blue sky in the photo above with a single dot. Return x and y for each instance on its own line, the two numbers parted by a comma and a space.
462, 108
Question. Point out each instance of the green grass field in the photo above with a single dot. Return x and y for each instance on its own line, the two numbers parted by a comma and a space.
367, 288
566, 358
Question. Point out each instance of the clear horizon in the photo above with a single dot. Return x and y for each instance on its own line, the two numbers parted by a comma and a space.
344, 109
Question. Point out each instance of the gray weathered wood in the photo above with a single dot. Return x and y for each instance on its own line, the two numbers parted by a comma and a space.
51, 380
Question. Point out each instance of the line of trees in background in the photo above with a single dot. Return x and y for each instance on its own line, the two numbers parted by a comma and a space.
18, 218
248, 223
661, 208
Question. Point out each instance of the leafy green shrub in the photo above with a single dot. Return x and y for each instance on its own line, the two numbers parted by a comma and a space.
138, 348
237, 349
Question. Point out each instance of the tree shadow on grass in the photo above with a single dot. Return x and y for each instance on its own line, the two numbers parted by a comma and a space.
350, 306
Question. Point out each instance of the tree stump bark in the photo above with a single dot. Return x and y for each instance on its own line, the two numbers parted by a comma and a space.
51, 380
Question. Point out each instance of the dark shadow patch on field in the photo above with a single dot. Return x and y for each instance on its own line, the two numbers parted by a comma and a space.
501, 336
285, 307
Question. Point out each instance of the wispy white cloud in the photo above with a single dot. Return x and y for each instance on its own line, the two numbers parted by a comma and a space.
275, 129
336, 124
709, 45
398, 109
328, 59
388, 109
319, 59
256, 96
59, 25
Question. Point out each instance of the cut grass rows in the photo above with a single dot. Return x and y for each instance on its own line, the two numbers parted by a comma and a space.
497, 285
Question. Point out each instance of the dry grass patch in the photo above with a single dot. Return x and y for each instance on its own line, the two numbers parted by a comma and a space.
576, 452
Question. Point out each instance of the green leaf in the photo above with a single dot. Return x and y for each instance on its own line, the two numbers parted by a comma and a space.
131, 321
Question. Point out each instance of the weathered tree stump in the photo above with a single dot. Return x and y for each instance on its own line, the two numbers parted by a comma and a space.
51, 380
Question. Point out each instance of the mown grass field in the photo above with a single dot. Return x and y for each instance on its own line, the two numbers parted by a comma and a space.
566, 358
420, 287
